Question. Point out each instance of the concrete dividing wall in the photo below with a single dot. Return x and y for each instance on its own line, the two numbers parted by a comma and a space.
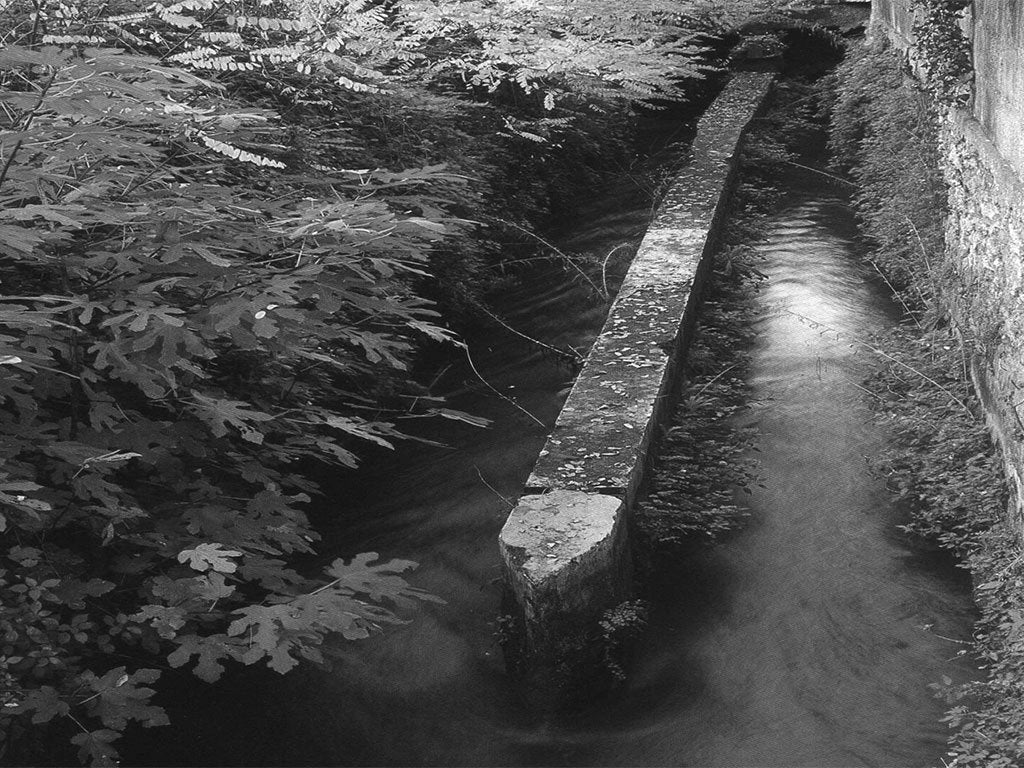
565, 546
982, 154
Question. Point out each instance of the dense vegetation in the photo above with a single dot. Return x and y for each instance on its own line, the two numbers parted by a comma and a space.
942, 461
227, 228
943, 50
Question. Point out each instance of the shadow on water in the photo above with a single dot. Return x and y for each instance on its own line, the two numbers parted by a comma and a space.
803, 640
434, 691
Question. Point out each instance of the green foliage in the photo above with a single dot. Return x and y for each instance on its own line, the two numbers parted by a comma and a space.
591, 661
943, 49
885, 136
943, 465
618, 627
218, 225
189, 287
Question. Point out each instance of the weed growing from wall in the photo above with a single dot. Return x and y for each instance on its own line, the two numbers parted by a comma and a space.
942, 463
943, 50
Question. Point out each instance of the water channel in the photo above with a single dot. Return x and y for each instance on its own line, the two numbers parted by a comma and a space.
808, 639
811, 637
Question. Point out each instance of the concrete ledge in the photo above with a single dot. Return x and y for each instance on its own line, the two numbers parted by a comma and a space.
600, 441
566, 552
565, 548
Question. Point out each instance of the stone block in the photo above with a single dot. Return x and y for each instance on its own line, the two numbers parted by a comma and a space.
565, 558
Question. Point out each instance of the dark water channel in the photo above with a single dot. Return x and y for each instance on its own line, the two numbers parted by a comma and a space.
802, 641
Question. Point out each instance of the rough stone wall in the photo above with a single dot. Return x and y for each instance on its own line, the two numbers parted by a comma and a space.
985, 246
983, 162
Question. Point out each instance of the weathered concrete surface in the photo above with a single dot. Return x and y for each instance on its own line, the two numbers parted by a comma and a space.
565, 548
602, 435
985, 250
896, 17
998, 37
567, 551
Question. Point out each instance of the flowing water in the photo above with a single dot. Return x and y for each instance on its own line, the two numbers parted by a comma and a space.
808, 639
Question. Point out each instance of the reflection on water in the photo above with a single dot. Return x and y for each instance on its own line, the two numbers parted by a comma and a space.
801, 641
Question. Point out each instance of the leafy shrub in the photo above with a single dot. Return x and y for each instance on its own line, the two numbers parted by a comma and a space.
885, 136
943, 50
943, 465
218, 224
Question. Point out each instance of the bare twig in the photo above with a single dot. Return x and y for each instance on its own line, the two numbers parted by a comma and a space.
27, 117
865, 389
716, 378
574, 355
832, 176
561, 253
887, 356
897, 294
604, 267
502, 395
924, 255
491, 488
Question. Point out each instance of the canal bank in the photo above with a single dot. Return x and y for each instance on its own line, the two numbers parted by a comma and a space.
800, 641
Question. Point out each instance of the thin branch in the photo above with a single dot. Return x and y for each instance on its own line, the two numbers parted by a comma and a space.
503, 396
574, 355
716, 378
897, 294
492, 488
604, 266
27, 117
565, 256
887, 356
832, 176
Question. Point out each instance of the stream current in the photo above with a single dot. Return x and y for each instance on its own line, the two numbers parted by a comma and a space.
807, 639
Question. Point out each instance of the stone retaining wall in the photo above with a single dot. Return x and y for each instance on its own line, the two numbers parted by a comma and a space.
982, 156
985, 248
565, 546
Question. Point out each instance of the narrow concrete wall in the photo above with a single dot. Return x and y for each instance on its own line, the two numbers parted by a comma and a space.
565, 547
